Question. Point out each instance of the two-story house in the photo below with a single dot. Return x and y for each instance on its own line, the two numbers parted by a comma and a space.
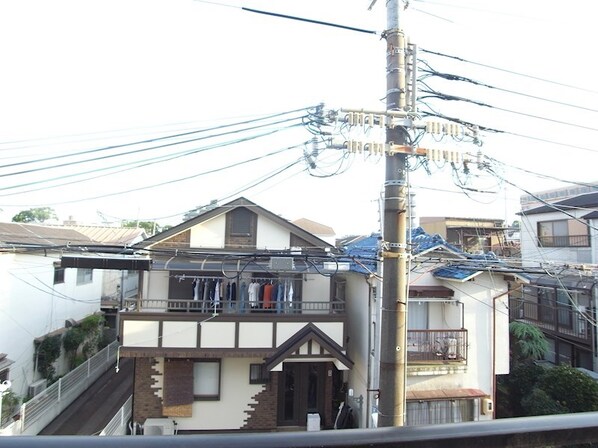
561, 238
238, 325
471, 235
457, 331
40, 298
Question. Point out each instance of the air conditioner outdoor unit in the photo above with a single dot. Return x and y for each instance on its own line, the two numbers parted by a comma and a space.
158, 427
37, 388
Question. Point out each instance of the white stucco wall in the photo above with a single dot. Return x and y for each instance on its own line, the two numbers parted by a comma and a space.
477, 298
531, 253
209, 233
236, 395
360, 321
32, 306
271, 236
156, 285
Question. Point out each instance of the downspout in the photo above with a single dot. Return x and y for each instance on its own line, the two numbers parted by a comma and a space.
507, 292
368, 402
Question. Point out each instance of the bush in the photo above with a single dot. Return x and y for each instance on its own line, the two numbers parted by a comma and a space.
572, 389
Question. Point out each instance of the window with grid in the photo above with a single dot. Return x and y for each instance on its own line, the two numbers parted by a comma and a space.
435, 412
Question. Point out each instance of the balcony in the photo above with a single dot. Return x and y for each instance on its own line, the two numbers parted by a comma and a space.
562, 319
425, 347
237, 307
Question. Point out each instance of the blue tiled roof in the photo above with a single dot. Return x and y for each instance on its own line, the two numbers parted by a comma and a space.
363, 253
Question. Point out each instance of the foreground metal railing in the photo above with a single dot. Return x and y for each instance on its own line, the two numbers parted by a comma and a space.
38, 412
553, 431
119, 423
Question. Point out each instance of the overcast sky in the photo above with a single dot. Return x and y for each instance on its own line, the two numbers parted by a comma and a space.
82, 75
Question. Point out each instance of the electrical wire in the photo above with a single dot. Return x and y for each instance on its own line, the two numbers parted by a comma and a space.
137, 151
506, 70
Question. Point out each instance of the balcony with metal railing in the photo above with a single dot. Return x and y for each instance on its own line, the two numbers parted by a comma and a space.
237, 307
564, 241
561, 319
436, 347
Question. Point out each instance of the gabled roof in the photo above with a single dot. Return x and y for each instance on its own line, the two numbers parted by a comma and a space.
589, 200
14, 233
314, 227
225, 208
115, 236
308, 333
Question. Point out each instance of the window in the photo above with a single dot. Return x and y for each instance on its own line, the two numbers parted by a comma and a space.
258, 374
563, 233
440, 411
4, 375
241, 222
84, 276
206, 380
58, 274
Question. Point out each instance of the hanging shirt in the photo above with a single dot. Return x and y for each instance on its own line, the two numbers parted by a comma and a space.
267, 295
217, 293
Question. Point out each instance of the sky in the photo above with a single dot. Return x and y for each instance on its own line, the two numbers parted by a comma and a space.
95, 77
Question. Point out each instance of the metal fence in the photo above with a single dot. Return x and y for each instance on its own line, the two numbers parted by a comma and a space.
118, 425
543, 431
38, 412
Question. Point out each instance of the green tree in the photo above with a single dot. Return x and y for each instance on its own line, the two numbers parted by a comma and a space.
37, 215
150, 227
527, 342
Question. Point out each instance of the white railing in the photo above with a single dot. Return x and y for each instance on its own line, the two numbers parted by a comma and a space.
38, 412
118, 425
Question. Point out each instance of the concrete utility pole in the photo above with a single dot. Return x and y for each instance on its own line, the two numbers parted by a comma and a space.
393, 356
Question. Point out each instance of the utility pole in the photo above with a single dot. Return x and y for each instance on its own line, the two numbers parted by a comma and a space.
393, 356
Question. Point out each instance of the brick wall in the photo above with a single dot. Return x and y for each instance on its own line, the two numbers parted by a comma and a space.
263, 416
146, 403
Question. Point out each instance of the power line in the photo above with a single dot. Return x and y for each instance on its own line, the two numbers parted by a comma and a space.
133, 165
62, 165
537, 78
445, 96
452, 77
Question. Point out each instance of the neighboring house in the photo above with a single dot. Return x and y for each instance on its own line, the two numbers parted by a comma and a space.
561, 238
239, 325
117, 285
471, 235
322, 231
39, 297
457, 331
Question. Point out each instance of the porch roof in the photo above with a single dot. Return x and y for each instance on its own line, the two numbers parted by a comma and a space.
444, 394
307, 334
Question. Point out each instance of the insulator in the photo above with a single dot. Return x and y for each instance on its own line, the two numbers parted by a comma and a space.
350, 118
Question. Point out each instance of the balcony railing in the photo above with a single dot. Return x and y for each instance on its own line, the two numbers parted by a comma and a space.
560, 319
237, 307
436, 346
564, 241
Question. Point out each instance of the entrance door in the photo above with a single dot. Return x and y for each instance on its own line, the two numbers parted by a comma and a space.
300, 390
